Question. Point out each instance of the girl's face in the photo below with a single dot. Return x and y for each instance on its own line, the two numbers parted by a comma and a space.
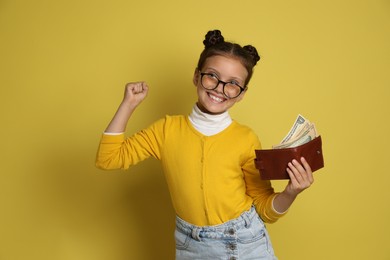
226, 69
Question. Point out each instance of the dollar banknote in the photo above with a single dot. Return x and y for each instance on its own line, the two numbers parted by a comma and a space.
304, 137
301, 132
297, 126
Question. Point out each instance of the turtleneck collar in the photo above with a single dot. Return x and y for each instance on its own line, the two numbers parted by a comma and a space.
209, 124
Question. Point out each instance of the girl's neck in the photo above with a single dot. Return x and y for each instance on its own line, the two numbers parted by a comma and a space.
209, 124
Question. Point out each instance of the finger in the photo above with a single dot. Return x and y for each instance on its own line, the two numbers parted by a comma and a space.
305, 164
136, 88
293, 179
305, 173
307, 169
295, 171
145, 86
303, 178
298, 166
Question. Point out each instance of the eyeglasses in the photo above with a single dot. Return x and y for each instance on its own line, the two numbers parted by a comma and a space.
230, 89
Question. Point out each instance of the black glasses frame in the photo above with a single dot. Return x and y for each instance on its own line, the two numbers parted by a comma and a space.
202, 74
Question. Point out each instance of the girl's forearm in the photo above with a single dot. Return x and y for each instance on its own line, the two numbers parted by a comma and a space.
283, 201
119, 121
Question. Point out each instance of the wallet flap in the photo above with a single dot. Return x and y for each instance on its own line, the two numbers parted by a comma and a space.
272, 163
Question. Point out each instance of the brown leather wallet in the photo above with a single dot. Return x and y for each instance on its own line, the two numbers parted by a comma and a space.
272, 163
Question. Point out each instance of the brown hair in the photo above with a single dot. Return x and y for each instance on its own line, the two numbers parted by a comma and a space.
215, 45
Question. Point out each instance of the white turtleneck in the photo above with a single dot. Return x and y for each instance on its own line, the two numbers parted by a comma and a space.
209, 124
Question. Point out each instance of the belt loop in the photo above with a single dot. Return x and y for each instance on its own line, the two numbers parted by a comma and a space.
195, 234
246, 219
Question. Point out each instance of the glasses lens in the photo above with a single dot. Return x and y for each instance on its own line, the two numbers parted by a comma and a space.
232, 90
209, 81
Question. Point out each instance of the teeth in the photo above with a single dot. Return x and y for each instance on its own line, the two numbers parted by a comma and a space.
216, 98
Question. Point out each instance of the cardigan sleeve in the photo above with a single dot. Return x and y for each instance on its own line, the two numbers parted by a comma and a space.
260, 190
118, 152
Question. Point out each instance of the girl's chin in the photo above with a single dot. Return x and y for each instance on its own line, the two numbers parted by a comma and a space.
211, 109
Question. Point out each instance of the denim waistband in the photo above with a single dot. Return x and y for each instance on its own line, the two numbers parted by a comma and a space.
224, 230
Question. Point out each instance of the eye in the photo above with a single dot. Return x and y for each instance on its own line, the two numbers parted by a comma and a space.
212, 75
234, 82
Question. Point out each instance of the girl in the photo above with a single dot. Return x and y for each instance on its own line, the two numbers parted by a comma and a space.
208, 160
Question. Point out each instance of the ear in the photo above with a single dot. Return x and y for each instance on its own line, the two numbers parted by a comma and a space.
195, 79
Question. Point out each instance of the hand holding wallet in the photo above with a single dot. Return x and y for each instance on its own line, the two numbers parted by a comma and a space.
301, 141
272, 163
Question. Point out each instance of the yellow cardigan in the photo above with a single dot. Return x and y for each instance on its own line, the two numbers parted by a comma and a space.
212, 179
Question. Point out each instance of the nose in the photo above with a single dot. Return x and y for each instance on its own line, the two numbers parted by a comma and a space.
220, 87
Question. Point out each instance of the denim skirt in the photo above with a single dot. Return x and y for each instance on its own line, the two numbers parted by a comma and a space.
243, 238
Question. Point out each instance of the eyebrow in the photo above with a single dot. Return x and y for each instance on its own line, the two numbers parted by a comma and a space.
241, 81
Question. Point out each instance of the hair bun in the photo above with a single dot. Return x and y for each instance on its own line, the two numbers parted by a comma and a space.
253, 52
212, 38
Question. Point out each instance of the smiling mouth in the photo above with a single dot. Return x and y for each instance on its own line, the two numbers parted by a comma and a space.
216, 98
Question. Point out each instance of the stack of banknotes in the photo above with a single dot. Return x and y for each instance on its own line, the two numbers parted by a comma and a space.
302, 131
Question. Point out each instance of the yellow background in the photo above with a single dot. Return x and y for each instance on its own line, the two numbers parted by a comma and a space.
63, 66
